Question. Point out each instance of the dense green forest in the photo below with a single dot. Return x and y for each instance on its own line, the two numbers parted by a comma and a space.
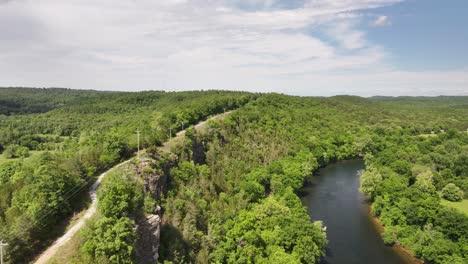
406, 180
259, 157
232, 189
16, 101
48, 159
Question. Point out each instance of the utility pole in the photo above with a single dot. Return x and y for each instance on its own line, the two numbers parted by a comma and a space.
170, 134
1, 250
138, 137
182, 123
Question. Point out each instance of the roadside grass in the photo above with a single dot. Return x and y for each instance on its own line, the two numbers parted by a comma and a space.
82, 203
70, 252
461, 206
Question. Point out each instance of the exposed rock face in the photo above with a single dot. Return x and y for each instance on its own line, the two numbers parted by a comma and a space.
149, 226
155, 185
149, 231
199, 156
154, 179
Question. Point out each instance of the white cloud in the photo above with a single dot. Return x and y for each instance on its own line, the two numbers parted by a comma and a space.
381, 21
346, 34
199, 44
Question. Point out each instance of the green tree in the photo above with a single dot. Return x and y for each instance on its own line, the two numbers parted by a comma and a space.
370, 179
271, 231
120, 195
452, 193
452, 223
424, 182
11, 151
111, 239
23, 152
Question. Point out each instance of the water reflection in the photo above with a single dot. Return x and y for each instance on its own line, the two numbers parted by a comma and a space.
333, 197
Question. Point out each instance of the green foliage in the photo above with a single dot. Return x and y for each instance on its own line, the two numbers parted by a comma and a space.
391, 234
431, 245
16, 151
452, 193
120, 195
407, 201
424, 182
111, 239
227, 181
452, 223
292, 171
77, 135
149, 204
460, 206
370, 179
271, 231
271, 146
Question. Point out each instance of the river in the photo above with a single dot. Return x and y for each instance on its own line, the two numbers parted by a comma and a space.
333, 197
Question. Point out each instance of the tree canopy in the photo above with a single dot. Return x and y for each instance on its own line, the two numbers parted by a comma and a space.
232, 189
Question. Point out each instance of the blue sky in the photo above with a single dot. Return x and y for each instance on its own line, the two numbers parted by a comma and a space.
425, 35
299, 47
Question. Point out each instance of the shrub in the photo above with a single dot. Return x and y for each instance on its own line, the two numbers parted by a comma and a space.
452, 193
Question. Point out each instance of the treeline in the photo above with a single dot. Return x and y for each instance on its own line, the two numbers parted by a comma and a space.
21, 100
152, 112
71, 145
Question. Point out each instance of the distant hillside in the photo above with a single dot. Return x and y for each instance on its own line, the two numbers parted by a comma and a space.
39, 100
439, 101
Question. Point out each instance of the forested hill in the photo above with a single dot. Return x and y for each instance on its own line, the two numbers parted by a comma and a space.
15, 101
225, 208
437, 101
232, 190
34, 100
47, 159
424, 113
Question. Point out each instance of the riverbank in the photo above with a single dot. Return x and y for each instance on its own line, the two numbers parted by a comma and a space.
403, 252
333, 196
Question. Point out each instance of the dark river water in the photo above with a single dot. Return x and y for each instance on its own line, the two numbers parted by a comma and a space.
334, 198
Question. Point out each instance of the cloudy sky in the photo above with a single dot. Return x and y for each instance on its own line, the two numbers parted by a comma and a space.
300, 47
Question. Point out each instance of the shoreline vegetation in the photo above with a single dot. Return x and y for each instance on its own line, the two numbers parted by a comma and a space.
399, 249
405, 253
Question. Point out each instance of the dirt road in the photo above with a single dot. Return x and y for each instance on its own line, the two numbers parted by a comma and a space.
50, 252
46, 255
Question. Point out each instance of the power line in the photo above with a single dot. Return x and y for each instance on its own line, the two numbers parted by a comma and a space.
69, 194
77, 188
1, 250
72, 193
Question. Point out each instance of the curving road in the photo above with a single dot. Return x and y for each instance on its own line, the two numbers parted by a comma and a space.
50, 252
46, 255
